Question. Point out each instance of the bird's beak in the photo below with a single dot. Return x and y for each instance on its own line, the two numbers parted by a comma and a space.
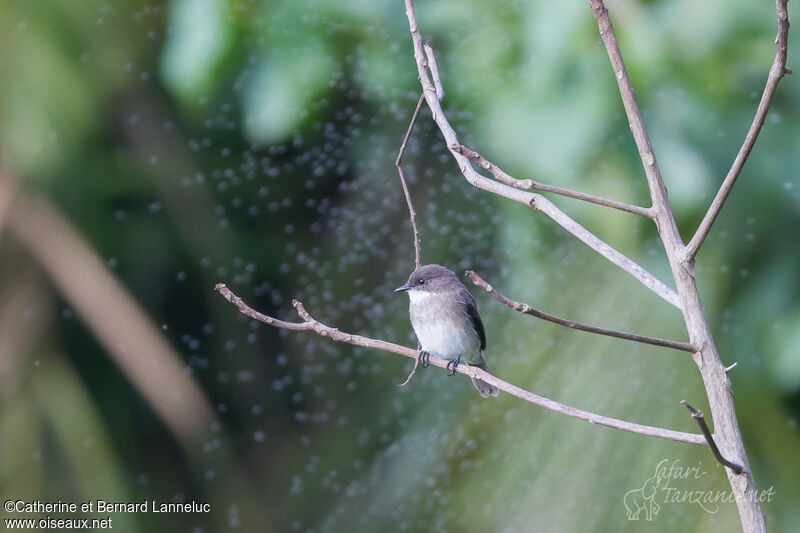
402, 288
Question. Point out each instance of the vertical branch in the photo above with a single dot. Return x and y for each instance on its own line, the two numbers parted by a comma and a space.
411, 213
718, 387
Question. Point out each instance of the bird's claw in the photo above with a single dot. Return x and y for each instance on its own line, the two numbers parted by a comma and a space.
424, 358
452, 364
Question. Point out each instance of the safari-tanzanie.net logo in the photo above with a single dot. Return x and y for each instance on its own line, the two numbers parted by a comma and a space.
671, 484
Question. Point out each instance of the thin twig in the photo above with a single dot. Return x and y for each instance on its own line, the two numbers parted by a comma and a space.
411, 213
311, 324
534, 200
529, 184
410, 374
528, 310
698, 417
776, 72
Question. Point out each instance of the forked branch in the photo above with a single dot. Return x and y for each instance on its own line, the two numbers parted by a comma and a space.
713, 372
658, 192
536, 201
319, 328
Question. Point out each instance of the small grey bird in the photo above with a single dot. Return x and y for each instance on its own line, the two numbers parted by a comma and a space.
445, 318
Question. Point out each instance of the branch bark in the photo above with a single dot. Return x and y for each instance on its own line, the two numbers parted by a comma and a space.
718, 386
776, 72
437, 82
310, 324
529, 184
536, 201
528, 310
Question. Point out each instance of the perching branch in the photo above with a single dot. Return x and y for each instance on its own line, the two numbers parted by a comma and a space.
411, 213
529, 184
528, 310
321, 329
776, 72
536, 201
698, 417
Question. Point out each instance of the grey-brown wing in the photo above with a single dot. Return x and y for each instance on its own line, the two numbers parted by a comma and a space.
475, 318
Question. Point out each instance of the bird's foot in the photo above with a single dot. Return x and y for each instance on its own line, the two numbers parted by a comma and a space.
424, 358
452, 364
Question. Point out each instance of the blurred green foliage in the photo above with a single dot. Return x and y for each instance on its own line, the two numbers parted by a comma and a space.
253, 142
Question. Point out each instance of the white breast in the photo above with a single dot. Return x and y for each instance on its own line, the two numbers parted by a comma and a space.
442, 334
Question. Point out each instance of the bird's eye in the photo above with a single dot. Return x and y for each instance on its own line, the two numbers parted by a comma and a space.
422, 282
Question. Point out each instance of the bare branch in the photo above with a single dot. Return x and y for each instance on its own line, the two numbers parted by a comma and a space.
437, 82
698, 416
716, 382
529, 184
411, 213
528, 310
311, 324
536, 201
776, 72
542, 204
255, 315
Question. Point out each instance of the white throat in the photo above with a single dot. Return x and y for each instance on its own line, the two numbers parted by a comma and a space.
418, 296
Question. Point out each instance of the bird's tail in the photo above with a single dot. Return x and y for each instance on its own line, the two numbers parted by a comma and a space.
484, 388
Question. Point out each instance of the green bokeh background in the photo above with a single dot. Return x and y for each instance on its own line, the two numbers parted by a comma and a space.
192, 142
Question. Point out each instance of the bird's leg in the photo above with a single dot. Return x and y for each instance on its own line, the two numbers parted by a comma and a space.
452, 364
424, 358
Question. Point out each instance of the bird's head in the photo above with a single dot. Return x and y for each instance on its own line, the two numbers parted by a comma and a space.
429, 279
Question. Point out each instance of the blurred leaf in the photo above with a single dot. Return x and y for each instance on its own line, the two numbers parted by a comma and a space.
283, 90
200, 38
